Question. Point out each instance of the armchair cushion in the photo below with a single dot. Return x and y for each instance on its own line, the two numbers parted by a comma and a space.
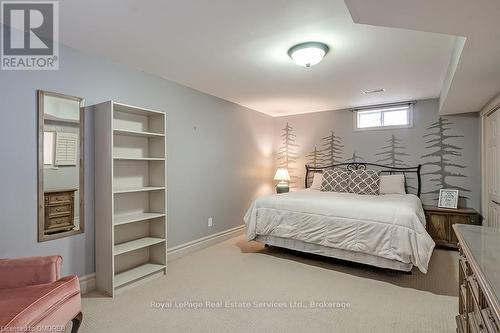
50, 304
29, 271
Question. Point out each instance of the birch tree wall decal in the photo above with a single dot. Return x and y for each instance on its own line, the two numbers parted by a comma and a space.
355, 158
314, 158
287, 153
332, 149
441, 158
391, 154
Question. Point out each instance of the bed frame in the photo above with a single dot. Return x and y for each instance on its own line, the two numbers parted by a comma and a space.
413, 185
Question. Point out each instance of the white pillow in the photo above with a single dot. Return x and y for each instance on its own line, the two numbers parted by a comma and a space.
392, 184
317, 181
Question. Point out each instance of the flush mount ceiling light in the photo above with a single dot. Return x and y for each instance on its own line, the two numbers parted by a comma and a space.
308, 54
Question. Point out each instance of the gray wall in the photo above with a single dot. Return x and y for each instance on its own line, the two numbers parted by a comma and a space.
219, 154
309, 129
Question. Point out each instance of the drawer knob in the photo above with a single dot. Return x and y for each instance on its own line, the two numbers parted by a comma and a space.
492, 320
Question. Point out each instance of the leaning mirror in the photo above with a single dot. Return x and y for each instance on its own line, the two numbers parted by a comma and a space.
60, 165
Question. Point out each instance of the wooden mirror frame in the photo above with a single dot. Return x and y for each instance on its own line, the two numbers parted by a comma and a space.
42, 237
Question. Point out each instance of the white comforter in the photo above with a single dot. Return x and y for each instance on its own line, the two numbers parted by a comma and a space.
388, 226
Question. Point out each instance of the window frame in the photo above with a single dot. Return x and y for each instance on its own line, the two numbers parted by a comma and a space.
382, 110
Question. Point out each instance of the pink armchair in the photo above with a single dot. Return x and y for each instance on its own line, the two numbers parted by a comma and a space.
33, 297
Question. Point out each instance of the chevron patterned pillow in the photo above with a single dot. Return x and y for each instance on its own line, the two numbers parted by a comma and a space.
366, 182
335, 180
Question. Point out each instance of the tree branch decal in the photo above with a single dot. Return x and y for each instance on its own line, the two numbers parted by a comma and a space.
441, 158
391, 153
287, 153
314, 158
332, 149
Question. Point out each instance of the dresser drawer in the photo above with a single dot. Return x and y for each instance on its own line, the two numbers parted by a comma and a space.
64, 209
464, 266
59, 197
474, 287
477, 323
462, 301
461, 323
490, 322
57, 222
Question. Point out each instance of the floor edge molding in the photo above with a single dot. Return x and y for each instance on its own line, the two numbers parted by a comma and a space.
87, 283
182, 250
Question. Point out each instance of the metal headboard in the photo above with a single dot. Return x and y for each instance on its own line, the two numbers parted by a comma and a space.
383, 169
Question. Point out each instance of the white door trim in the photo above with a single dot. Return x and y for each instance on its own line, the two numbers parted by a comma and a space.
492, 106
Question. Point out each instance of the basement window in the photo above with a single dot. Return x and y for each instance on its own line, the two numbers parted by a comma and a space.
384, 117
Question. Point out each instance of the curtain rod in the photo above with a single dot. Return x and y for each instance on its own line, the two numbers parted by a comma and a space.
383, 105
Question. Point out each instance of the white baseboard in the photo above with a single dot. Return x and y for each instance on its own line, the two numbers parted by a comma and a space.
87, 282
139, 282
182, 250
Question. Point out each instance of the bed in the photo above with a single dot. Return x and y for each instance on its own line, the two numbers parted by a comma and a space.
386, 231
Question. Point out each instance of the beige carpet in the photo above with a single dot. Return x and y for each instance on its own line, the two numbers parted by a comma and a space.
374, 300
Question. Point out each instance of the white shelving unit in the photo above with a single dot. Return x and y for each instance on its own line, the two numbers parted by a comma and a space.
130, 195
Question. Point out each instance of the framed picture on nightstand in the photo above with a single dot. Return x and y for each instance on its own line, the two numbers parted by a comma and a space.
448, 198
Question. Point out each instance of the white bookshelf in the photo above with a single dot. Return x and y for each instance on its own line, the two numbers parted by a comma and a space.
130, 195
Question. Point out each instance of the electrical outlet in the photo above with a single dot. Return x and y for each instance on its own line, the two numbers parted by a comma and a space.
210, 221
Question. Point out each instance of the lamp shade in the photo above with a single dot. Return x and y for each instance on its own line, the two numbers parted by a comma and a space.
282, 174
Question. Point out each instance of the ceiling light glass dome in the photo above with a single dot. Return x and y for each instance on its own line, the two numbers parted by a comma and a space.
308, 54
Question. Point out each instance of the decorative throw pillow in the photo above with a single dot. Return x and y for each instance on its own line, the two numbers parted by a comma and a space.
317, 181
335, 180
392, 184
364, 182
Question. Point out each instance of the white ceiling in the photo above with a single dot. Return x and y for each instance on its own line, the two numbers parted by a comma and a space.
474, 77
237, 50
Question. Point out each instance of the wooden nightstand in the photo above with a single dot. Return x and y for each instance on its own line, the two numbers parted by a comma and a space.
440, 221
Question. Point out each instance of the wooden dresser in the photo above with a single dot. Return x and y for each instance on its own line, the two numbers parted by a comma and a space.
59, 207
441, 220
479, 279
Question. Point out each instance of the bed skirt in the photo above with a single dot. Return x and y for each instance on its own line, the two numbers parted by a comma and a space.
347, 255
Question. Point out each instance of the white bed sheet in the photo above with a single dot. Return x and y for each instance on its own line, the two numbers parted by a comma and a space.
388, 226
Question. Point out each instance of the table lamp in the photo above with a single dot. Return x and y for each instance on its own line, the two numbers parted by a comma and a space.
283, 177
